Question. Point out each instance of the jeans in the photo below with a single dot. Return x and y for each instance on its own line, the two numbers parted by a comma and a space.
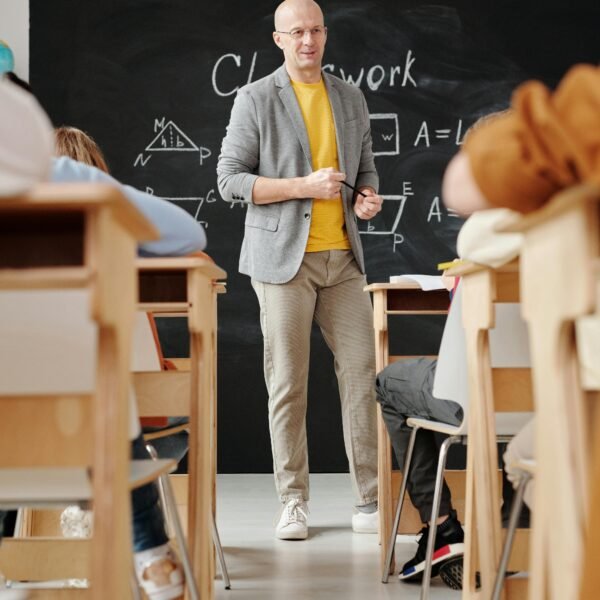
404, 390
147, 517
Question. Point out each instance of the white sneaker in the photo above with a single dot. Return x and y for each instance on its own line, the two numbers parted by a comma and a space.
292, 521
159, 573
365, 522
76, 523
6, 593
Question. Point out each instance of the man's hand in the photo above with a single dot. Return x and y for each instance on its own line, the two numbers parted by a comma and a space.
367, 206
324, 183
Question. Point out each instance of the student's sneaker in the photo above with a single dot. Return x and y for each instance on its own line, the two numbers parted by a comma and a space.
451, 573
449, 544
76, 522
363, 522
159, 573
6, 593
292, 521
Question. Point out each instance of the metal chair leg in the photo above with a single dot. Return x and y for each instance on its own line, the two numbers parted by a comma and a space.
185, 557
162, 494
19, 523
219, 549
392, 541
435, 510
515, 512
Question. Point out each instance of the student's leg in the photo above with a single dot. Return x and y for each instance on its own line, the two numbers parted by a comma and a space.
404, 389
286, 315
157, 568
147, 517
345, 315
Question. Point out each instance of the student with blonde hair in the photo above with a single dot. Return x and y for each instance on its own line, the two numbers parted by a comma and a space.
26, 144
70, 141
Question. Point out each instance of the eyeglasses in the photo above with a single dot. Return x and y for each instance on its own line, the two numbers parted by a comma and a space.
298, 34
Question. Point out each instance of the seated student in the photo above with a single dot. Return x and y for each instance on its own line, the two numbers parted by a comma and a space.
26, 144
78, 145
548, 142
425, 388
404, 390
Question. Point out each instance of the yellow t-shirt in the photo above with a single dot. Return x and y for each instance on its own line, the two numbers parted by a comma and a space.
327, 228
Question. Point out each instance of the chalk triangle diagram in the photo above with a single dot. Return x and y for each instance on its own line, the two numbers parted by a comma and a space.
171, 139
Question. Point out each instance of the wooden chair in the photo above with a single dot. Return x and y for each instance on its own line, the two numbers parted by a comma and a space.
451, 383
79, 239
188, 286
559, 283
490, 391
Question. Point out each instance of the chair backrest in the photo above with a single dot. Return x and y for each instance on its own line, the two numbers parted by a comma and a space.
509, 348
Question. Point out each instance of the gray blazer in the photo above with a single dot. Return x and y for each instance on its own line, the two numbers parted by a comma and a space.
266, 137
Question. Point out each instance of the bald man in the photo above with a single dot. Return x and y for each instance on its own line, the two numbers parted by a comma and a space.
293, 138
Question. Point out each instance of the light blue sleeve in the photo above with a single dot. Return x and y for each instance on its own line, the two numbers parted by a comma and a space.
180, 233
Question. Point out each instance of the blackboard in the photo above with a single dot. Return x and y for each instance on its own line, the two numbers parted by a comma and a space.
153, 82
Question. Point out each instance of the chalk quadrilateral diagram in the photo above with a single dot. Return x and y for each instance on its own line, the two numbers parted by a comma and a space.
390, 203
385, 132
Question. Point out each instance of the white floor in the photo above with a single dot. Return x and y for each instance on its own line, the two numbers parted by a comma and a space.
332, 563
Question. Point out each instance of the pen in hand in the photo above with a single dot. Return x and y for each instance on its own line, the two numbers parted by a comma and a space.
353, 188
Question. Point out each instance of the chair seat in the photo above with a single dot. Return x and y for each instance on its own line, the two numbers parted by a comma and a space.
507, 424
54, 487
525, 464
49, 487
437, 426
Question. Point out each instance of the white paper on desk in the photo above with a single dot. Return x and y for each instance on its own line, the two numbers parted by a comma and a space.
426, 282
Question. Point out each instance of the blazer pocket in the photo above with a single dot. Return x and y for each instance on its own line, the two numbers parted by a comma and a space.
262, 222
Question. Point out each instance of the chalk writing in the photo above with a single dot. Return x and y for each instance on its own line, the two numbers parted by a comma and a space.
437, 211
425, 134
221, 64
377, 75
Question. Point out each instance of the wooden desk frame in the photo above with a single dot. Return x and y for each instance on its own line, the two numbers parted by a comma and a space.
95, 250
559, 279
188, 286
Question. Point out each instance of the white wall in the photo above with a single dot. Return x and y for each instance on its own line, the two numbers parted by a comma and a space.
14, 30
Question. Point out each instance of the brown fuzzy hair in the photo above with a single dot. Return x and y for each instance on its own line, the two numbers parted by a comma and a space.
78, 145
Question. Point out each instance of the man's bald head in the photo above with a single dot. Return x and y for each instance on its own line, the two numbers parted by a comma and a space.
291, 9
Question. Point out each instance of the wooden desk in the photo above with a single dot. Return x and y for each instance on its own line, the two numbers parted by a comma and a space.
188, 286
78, 237
404, 298
559, 280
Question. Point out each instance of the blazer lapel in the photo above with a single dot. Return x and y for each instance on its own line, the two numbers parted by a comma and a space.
289, 100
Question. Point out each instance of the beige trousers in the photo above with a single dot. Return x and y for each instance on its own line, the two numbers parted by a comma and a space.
329, 289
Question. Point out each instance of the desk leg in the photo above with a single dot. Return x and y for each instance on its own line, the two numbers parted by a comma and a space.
214, 414
200, 455
384, 448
